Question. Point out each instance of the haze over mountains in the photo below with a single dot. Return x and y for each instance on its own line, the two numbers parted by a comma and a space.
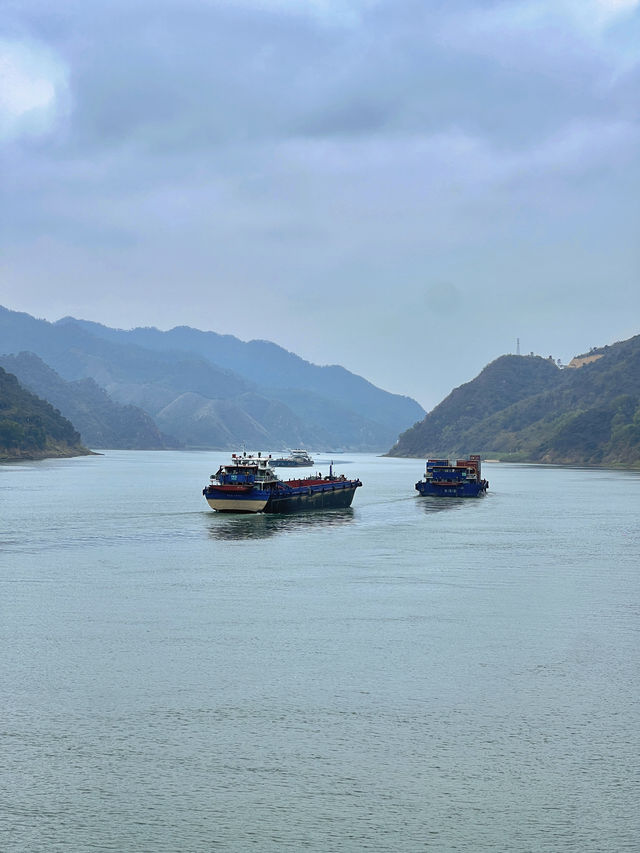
525, 408
203, 389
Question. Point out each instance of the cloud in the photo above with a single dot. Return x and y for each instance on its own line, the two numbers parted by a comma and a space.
195, 75
604, 11
561, 38
340, 12
33, 88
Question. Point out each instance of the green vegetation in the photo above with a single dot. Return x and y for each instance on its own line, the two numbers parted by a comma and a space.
526, 409
30, 428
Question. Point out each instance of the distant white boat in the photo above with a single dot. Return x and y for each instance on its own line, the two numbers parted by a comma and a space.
295, 459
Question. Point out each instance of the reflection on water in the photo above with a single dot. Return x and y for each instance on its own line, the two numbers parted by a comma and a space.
263, 525
434, 504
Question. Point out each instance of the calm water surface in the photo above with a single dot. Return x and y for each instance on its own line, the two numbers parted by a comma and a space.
407, 675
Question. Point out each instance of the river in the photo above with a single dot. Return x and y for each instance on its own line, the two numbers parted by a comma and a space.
407, 675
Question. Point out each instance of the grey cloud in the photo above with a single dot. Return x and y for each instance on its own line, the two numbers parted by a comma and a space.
189, 75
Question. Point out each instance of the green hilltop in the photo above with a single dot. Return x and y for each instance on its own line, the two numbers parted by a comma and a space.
528, 409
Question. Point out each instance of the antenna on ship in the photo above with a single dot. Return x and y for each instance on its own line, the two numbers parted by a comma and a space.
517, 346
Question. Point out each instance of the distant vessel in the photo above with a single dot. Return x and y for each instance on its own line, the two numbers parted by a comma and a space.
462, 480
296, 459
249, 484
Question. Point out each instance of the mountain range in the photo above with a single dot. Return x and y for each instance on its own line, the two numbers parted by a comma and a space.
203, 389
528, 409
144, 388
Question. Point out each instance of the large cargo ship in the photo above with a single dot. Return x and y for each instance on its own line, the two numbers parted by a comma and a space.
444, 479
295, 459
249, 484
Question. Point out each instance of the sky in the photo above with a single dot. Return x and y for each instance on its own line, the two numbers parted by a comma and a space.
403, 187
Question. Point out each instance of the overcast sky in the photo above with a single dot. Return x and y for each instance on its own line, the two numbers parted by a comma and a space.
403, 187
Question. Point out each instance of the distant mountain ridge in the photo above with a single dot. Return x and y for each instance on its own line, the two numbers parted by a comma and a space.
30, 428
211, 390
266, 365
525, 408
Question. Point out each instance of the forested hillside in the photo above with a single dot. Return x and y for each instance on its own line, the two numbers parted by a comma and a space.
525, 408
30, 428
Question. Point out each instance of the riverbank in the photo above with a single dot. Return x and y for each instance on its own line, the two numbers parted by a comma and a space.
21, 455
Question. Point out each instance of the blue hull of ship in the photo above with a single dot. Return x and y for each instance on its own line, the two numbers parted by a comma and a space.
325, 496
331, 495
457, 490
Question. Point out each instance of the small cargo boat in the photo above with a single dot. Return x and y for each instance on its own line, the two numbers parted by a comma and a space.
444, 479
249, 484
296, 459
